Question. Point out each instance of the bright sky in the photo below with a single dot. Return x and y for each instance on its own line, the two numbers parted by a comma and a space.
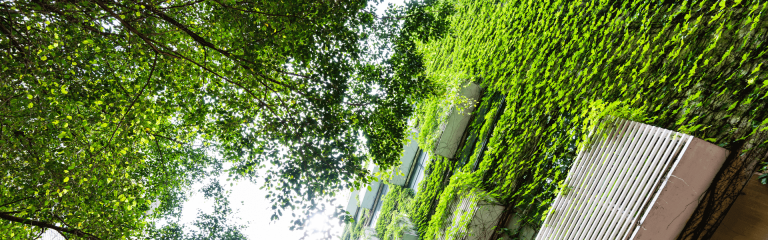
255, 209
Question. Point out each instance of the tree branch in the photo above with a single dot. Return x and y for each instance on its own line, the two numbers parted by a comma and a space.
261, 102
72, 20
200, 40
6, 204
127, 25
35, 223
11, 38
149, 79
262, 13
184, 5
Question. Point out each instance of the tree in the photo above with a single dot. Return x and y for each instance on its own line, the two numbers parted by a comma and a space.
108, 106
215, 225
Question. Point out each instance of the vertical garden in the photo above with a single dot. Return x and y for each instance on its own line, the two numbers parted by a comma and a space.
559, 66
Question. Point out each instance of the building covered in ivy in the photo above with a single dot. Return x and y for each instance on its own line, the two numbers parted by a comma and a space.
547, 74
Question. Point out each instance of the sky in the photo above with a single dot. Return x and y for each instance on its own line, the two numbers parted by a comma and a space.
255, 210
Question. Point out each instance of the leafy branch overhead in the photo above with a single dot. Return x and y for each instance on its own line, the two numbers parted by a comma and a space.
109, 106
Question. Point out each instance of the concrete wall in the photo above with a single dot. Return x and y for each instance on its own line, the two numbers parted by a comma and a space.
453, 128
369, 233
483, 223
682, 191
523, 232
748, 217
635, 181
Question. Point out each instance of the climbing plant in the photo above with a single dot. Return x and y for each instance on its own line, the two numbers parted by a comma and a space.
691, 66
396, 202
354, 229
395, 205
437, 172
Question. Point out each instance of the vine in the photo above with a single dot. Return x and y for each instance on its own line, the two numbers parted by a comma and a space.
354, 230
393, 219
394, 203
693, 67
425, 201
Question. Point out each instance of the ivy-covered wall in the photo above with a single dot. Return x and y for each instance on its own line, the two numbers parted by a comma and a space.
354, 230
394, 206
438, 172
690, 66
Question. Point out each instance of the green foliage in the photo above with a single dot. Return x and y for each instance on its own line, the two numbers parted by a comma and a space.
108, 106
692, 67
485, 118
394, 206
354, 230
438, 171
210, 226
462, 184
398, 225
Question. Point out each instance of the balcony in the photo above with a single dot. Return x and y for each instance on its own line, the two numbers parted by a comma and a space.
633, 181
452, 130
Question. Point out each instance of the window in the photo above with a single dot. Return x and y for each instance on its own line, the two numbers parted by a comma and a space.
417, 174
379, 202
358, 215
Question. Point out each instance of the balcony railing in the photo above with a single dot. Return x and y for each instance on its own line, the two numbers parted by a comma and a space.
633, 181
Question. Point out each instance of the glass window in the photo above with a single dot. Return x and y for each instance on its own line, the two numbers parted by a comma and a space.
359, 215
379, 202
418, 171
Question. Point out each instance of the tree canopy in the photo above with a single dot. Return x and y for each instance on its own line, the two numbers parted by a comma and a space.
110, 106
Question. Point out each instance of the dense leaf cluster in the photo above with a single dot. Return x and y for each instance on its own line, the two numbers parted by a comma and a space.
693, 67
437, 174
395, 203
108, 106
